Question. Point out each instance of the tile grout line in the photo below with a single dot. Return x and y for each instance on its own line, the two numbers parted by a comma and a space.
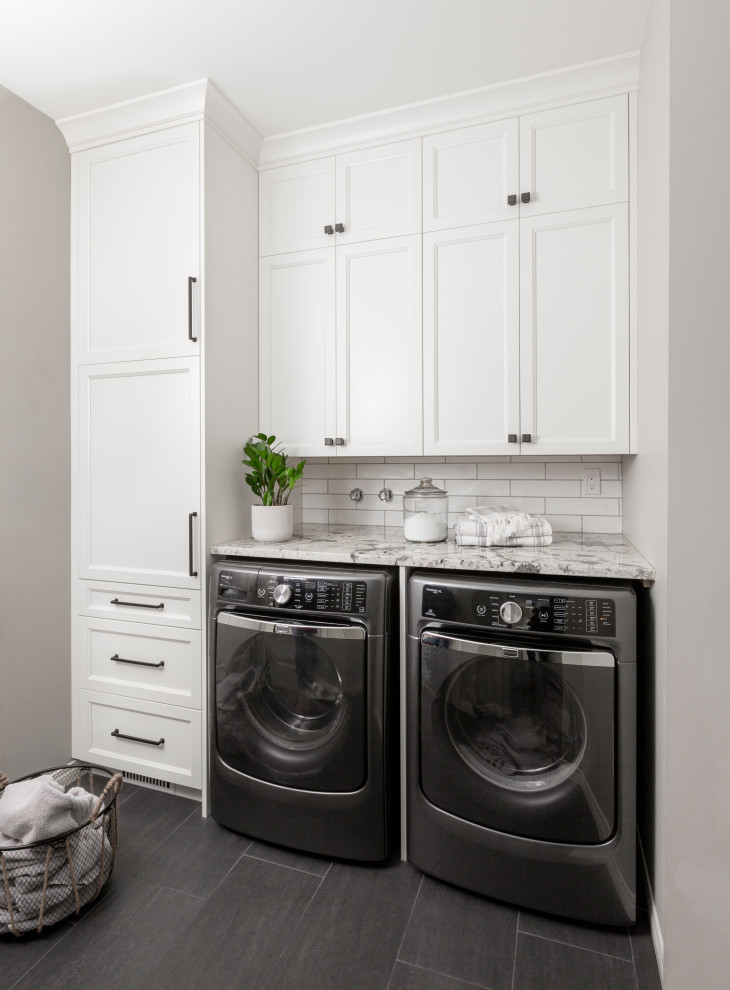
296, 869
581, 948
438, 972
265, 978
514, 957
405, 932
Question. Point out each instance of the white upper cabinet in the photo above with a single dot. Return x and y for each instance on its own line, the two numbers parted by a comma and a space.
358, 196
379, 382
542, 162
296, 203
138, 247
139, 472
471, 355
469, 174
574, 332
340, 349
574, 157
378, 192
297, 350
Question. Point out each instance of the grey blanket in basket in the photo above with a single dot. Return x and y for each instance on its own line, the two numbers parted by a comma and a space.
41, 808
26, 869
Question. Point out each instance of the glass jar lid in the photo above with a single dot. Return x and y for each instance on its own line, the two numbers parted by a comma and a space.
426, 488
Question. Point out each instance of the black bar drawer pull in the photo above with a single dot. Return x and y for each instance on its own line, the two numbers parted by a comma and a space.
115, 601
191, 516
150, 742
191, 282
138, 663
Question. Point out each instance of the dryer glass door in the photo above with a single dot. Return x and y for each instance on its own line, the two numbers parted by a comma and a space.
290, 701
519, 740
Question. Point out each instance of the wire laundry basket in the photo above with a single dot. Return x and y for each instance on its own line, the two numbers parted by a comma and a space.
41, 883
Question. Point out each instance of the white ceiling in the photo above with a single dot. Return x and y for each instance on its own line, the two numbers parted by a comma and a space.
294, 64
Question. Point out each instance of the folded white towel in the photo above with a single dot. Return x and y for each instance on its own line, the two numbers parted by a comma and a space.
31, 810
502, 525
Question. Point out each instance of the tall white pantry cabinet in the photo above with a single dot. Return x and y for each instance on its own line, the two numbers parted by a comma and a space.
164, 393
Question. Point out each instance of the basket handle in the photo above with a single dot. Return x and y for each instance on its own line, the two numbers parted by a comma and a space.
114, 784
4, 779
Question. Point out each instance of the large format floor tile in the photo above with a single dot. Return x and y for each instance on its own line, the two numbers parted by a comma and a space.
541, 964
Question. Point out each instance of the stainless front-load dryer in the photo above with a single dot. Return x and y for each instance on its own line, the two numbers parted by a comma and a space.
521, 741
303, 738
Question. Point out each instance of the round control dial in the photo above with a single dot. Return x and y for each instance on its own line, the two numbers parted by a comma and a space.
510, 612
282, 594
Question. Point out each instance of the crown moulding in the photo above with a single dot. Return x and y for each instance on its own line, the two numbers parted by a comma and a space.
197, 101
202, 101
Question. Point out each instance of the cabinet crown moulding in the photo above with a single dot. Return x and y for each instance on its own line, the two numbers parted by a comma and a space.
200, 100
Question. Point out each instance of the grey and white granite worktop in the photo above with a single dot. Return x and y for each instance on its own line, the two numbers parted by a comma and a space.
590, 555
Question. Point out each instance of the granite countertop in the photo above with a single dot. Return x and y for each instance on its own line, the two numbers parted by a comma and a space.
595, 555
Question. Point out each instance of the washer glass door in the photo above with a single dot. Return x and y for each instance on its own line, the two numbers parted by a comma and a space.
290, 701
519, 740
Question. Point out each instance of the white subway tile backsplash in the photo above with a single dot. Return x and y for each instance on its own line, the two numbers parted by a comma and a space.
602, 524
384, 471
511, 469
554, 489
590, 506
545, 485
575, 469
353, 517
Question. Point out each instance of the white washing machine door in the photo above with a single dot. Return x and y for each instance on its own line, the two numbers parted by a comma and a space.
519, 740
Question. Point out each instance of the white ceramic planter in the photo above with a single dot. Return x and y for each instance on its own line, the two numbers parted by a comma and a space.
272, 523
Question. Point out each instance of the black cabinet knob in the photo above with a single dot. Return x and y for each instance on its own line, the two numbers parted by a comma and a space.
527, 438
340, 228
512, 200
329, 442
329, 229
511, 438
525, 198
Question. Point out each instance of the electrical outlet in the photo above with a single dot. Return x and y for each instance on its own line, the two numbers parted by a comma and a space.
591, 481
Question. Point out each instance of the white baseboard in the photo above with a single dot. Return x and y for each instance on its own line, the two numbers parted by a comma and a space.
657, 937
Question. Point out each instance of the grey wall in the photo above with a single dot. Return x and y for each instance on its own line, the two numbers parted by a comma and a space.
684, 365
35, 666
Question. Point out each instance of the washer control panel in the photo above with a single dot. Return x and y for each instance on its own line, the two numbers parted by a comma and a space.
566, 613
311, 594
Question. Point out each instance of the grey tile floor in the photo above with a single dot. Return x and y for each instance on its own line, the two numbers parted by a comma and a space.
193, 905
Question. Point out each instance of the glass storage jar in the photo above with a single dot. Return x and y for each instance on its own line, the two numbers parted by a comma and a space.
426, 513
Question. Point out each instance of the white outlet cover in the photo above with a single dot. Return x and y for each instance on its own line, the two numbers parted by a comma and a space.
591, 484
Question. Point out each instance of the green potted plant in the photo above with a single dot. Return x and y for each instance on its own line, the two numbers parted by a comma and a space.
272, 479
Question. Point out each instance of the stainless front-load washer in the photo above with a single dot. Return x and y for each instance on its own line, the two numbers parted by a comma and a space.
521, 741
303, 737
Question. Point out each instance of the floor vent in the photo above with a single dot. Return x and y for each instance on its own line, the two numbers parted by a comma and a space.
137, 778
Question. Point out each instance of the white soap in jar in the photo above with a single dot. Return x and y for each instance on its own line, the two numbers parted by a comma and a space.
425, 527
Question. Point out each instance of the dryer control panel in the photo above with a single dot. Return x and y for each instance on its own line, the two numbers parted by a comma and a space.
559, 613
311, 594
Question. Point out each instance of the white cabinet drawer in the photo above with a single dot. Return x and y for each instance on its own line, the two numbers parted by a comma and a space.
140, 736
139, 603
155, 663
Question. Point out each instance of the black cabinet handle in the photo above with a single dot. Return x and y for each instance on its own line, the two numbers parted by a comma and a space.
527, 438
329, 229
525, 198
340, 441
115, 601
191, 516
340, 228
138, 663
511, 438
329, 442
512, 200
191, 282
150, 742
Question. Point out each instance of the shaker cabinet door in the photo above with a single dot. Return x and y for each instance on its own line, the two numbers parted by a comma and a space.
471, 361
469, 175
379, 381
296, 203
138, 247
297, 351
574, 332
139, 473
575, 157
378, 192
